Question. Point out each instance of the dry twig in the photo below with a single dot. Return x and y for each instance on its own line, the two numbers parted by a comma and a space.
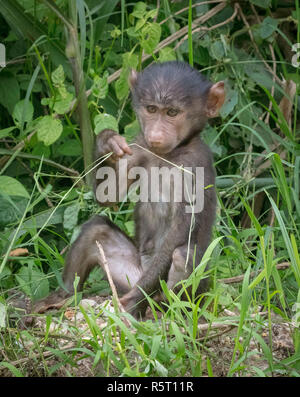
274, 64
255, 45
193, 5
237, 279
104, 264
213, 336
207, 29
204, 18
287, 101
286, 105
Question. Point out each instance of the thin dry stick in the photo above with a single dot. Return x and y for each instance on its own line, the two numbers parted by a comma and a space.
287, 101
69, 171
274, 65
193, 5
255, 45
103, 263
207, 29
116, 74
286, 105
240, 278
260, 165
40, 189
20, 145
232, 314
37, 355
204, 18
205, 327
158, 7
273, 85
213, 336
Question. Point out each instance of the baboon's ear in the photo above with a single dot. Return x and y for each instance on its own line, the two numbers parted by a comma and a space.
132, 79
215, 99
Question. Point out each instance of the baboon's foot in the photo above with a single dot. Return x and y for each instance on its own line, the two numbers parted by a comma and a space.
54, 301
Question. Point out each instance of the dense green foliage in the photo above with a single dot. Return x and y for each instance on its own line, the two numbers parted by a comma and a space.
46, 132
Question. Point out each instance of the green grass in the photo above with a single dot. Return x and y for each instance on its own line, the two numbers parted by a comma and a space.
230, 329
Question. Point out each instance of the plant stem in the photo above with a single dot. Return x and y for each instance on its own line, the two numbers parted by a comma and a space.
74, 56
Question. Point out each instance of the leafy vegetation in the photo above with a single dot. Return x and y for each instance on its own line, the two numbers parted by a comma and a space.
58, 51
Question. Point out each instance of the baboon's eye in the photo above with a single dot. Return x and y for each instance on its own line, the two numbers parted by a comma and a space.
172, 112
151, 109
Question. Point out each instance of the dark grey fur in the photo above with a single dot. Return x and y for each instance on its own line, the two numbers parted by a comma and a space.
162, 229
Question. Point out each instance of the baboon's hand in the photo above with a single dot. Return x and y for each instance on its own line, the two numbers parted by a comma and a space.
134, 303
110, 141
118, 145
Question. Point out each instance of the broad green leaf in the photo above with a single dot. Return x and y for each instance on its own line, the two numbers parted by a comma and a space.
131, 130
151, 14
25, 84
9, 90
58, 76
49, 130
71, 216
167, 54
71, 148
11, 208
268, 26
100, 86
130, 227
6, 131
262, 3
280, 119
23, 112
129, 61
75, 233
201, 55
257, 72
140, 23
206, 41
32, 281
217, 50
6, 272
41, 220
41, 150
28, 27
115, 33
62, 103
139, 9
12, 187
62, 91
122, 86
132, 32
151, 35
231, 99
46, 101
105, 121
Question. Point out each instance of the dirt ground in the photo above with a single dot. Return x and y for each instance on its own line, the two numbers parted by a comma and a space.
220, 341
